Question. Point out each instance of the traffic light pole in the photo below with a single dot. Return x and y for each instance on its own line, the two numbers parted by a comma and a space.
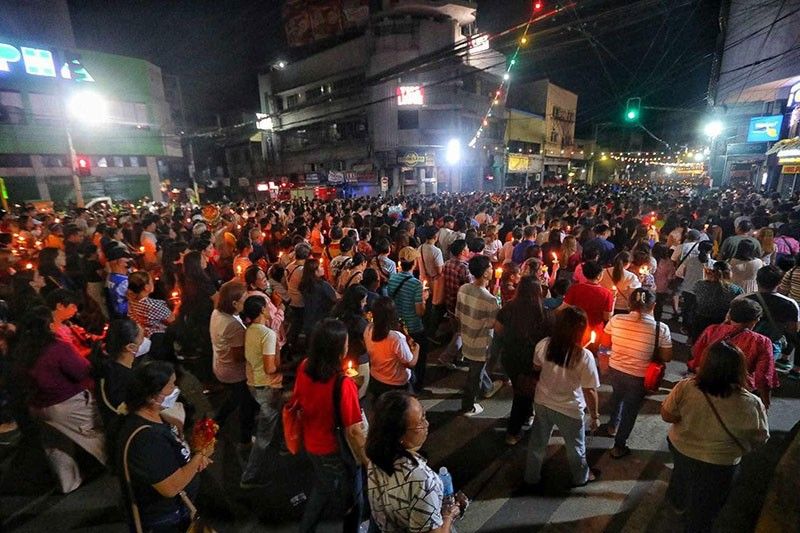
76, 180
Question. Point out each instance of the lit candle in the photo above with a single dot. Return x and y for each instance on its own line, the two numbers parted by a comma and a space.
645, 270
424, 285
175, 294
498, 273
280, 254
705, 228
592, 339
555, 258
141, 249
29, 266
238, 270
350, 372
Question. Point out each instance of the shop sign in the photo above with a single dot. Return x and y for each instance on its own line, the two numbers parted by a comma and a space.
518, 163
413, 159
334, 176
765, 128
410, 95
244, 182
791, 169
746, 149
41, 62
313, 177
794, 96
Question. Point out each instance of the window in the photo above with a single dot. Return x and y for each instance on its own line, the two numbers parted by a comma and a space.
554, 136
134, 161
11, 109
54, 161
117, 161
292, 100
15, 160
407, 119
102, 162
45, 107
142, 117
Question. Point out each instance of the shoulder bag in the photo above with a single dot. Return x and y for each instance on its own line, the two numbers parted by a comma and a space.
721, 423
675, 282
351, 466
197, 525
656, 369
292, 418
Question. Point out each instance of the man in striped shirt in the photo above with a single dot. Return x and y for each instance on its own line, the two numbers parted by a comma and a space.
475, 310
409, 299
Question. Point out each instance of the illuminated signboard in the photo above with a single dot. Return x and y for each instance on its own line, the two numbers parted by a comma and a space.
765, 129
410, 95
794, 95
41, 62
478, 43
264, 122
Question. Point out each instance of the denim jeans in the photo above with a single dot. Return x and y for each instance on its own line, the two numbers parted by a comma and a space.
700, 488
626, 400
572, 431
333, 486
478, 381
267, 420
238, 395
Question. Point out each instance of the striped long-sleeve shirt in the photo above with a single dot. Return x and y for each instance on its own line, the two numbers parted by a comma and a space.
476, 309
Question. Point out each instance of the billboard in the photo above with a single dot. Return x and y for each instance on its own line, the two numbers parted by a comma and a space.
310, 21
764, 129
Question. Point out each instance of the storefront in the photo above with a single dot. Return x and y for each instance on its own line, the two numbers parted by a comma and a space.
788, 154
523, 169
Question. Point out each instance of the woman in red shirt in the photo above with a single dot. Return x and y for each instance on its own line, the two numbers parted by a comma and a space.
338, 481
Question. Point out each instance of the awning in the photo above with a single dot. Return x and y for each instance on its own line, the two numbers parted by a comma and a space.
256, 137
784, 144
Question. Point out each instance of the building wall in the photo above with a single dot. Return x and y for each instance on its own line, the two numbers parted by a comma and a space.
46, 21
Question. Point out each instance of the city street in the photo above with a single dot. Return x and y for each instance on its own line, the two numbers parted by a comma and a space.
627, 498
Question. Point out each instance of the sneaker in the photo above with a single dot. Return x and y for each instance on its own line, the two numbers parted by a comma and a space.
476, 410
496, 386
528, 423
512, 440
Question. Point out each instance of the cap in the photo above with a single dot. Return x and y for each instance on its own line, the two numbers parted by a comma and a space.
117, 252
408, 254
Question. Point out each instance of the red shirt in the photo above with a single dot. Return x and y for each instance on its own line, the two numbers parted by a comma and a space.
593, 299
316, 399
757, 350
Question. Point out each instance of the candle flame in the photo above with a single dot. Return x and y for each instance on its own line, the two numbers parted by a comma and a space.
141, 249
175, 294
29, 266
555, 258
498, 273
593, 337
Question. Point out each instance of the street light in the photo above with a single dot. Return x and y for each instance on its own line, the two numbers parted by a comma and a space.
88, 106
713, 129
453, 152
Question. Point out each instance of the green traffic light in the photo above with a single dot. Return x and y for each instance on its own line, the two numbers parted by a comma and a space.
631, 115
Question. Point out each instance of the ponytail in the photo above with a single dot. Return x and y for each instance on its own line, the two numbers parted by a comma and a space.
620, 261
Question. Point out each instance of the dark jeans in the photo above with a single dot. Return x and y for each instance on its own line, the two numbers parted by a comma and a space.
626, 400
376, 388
422, 361
295, 326
478, 382
267, 421
333, 486
161, 347
175, 522
662, 299
700, 488
521, 409
238, 395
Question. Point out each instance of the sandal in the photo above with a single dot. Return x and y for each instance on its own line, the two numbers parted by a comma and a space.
619, 453
594, 475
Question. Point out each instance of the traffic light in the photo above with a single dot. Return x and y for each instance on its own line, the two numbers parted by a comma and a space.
633, 109
83, 165
538, 5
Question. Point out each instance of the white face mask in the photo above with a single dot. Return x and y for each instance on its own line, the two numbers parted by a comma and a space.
143, 348
169, 401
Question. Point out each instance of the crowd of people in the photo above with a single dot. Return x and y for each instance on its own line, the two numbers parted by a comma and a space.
336, 308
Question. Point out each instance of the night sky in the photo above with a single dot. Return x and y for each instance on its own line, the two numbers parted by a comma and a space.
660, 50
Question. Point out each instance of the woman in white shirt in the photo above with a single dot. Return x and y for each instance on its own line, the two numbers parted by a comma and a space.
619, 280
567, 387
493, 245
391, 357
745, 265
715, 421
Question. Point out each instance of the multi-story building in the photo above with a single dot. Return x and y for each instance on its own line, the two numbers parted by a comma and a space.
755, 88
525, 137
111, 110
383, 106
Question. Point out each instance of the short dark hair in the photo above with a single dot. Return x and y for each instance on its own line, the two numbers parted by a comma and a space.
253, 307
592, 269
346, 244
769, 277
478, 265
457, 247
722, 370
744, 226
325, 350
744, 310
63, 297
147, 380
137, 281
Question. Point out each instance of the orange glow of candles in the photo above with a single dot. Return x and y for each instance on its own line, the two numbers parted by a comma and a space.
705, 228
175, 294
21, 238
350, 371
141, 249
424, 285
238, 270
280, 255
555, 258
644, 270
593, 337
57, 220
498, 273
29, 266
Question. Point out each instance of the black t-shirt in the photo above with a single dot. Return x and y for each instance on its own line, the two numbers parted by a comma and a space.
155, 454
782, 309
114, 389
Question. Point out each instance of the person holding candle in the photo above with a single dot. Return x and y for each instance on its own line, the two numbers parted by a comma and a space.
392, 354
621, 281
566, 394
265, 382
319, 296
596, 300
633, 338
151, 314
242, 260
351, 311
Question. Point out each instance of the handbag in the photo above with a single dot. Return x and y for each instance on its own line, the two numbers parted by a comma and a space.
721, 423
656, 369
197, 524
292, 418
675, 283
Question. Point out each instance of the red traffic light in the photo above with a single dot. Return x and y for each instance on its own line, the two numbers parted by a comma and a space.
537, 6
84, 165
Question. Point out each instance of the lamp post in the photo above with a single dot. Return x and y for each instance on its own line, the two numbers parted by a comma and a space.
713, 129
452, 156
90, 108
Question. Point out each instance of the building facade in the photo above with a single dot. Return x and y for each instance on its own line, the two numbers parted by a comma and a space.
380, 109
112, 110
754, 92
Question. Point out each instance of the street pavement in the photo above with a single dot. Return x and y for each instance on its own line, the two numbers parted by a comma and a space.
627, 498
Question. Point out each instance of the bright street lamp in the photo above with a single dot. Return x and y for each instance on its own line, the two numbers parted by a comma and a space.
87, 106
713, 129
453, 152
